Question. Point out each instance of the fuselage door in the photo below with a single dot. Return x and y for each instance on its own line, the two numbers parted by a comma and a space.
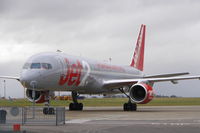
61, 65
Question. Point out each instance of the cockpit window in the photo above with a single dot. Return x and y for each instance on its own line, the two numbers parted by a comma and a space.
26, 66
46, 66
35, 66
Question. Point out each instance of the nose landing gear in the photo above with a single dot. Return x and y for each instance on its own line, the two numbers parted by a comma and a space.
48, 110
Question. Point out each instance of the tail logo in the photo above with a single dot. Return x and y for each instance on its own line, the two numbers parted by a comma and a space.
138, 57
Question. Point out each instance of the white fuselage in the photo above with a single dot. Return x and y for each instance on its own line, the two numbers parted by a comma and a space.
62, 72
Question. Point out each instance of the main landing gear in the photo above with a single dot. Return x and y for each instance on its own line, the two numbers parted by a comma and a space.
75, 105
129, 106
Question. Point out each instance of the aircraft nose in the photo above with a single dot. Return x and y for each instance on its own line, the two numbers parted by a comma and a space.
29, 79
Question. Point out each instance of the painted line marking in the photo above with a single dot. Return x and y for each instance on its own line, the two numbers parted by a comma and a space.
175, 124
78, 121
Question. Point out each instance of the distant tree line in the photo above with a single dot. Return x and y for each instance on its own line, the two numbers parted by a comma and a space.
123, 96
164, 96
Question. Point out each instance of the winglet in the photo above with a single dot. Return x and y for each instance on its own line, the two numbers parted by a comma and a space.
138, 57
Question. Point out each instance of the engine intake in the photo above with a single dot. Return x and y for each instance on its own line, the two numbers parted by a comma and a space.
141, 93
39, 96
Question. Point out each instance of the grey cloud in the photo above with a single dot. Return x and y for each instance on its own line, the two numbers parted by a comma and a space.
49, 9
103, 29
13, 87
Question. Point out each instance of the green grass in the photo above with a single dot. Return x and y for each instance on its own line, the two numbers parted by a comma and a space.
109, 102
174, 102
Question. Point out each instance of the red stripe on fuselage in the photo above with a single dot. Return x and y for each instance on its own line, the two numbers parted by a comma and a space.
110, 67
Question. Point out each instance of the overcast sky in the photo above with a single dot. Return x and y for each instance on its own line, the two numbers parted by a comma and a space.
100, 29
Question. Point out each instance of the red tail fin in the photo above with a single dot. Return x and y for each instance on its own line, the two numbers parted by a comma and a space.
138, 57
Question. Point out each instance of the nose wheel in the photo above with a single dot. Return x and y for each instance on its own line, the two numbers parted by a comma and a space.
75, 106
48, 110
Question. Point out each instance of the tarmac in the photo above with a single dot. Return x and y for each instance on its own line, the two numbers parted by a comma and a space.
147, 119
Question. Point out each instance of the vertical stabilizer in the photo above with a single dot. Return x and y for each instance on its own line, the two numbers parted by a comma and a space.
138, 57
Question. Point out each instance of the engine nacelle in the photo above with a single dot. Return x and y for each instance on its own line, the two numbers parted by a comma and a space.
141, 93
40, 96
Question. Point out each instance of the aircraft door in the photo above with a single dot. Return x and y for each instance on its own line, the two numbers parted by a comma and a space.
61, 65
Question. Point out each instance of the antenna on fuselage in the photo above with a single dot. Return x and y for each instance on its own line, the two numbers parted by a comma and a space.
58, 50
110, 59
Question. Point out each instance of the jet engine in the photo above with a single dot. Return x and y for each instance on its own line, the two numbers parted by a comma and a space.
141, 93
40, 96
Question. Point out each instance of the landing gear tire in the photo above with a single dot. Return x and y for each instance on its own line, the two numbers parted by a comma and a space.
51, 111
76, 106
48, 111
130, 107
80, 105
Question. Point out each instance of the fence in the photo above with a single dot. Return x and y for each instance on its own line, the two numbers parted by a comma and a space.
31, 116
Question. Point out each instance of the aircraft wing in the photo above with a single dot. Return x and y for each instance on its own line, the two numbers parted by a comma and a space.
123, 82
9, 77
166, 75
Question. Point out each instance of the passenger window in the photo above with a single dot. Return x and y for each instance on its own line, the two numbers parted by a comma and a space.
35, 66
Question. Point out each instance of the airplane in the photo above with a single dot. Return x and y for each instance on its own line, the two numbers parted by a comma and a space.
44, 73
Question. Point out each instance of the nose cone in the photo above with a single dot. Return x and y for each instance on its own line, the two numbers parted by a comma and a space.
29, 79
